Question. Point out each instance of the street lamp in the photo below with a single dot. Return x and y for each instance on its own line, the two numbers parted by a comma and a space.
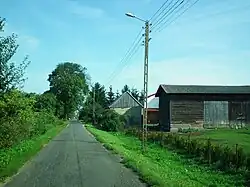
134, 16
145, 90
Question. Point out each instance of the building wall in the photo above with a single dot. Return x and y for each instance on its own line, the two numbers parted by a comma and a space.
186, 114
153, 117
239, 109
125, 101
189, 111
216, 114
133, 115
164, 113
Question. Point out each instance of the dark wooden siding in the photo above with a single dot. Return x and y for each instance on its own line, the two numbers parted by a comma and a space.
186, 113
216, 114
153, 117
239, 109
164, 113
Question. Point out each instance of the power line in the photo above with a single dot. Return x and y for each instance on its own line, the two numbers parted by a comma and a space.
153, 17
128, 55
165, 24
167, 13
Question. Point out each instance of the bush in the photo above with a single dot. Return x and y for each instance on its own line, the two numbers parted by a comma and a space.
19, 121
109, 120
225, 157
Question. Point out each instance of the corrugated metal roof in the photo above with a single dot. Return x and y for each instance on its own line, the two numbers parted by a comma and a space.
198, 89
154, 103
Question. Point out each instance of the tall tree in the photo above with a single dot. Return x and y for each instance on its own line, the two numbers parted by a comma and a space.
125, 89
135, 93
141, 97
69, 82
11, 74
111, 96
100, 94
117, 94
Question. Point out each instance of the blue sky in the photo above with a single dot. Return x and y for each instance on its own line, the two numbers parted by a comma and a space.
209, 44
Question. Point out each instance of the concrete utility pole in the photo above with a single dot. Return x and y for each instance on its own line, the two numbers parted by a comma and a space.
145, 90
145, 101
93, 112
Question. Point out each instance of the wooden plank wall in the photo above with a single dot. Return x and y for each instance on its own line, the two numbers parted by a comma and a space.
186, 114
164, 113
238, 108
125, 101
215, 114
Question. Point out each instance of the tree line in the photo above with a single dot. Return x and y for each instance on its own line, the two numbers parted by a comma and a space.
105, 97
26, 115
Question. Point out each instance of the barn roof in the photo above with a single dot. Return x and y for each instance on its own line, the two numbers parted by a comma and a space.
202, 89
154, 103
125, 97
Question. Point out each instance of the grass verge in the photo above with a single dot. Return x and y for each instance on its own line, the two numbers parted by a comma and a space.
160, 167
14, 158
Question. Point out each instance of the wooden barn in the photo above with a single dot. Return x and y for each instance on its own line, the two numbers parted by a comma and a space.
193, 106
130, 107
153, 111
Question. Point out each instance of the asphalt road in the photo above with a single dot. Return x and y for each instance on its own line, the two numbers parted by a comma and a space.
75, 159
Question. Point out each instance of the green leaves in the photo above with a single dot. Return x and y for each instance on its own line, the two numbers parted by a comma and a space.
11, 74
69, 83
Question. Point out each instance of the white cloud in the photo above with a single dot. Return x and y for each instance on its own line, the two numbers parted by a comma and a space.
208, 70
26, 41
30, 42
85, 11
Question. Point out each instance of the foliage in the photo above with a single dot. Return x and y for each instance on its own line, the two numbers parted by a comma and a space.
46, 102
125, 89
161, 167
110, 121
117, 94
11, 75
100, 95
111, 96
18, 119
69, 82
224, 157
141, 97
135, 93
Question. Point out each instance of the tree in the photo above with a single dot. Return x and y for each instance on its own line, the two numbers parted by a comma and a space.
117, 95
141, 97
11, 75
100, 95
46, 102
69, 83
125, 89
135, 93
111, 96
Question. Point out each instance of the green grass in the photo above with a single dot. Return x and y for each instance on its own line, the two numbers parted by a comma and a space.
160, 167
13, 158
229, 137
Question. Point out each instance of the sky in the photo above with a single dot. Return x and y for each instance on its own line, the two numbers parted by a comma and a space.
208, 45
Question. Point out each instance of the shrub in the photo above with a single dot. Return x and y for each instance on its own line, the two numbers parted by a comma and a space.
19, 121
226, 157
109, 120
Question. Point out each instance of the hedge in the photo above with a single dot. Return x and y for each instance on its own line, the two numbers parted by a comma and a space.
223, 156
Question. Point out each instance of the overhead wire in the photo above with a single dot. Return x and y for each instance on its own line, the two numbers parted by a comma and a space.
167, 13
169, 21
128, 56
153, 16
158, 17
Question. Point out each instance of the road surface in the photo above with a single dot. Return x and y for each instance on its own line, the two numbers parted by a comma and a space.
75, 159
